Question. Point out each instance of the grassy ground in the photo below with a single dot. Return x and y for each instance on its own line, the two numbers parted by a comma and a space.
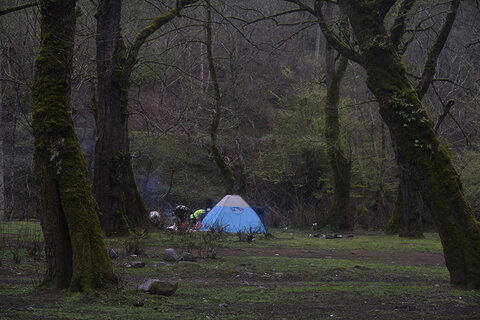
292, 276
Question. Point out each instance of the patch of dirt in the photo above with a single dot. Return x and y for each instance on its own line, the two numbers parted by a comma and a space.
399, 258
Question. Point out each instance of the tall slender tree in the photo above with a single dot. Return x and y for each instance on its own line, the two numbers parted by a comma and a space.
75, 250
416, 146
415, 143
225, 169
338, 216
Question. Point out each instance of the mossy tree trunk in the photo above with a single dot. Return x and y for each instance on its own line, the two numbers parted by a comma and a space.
225, 169
412, 208
415, 143
114, 183
75, 250
339, 213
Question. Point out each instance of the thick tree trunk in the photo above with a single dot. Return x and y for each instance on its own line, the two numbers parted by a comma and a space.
412, 205
416, 144
413, 208
396, 223
114, 184
75, 251
339, 213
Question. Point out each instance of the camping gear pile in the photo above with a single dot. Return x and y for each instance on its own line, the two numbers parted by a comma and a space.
231, 214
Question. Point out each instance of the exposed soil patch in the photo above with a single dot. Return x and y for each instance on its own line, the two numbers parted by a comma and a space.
400, 258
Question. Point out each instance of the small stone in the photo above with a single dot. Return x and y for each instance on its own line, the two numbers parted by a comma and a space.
112, 253
159, 287
137, 264
170, 255
138, 304
223, 305
187, 256
30, 309
127, 265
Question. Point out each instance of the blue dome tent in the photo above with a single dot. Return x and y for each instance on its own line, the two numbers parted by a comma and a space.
233, 214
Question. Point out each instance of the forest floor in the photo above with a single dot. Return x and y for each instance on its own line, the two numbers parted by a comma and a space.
294, 275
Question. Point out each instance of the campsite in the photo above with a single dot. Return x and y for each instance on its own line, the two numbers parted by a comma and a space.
291, 276
239, 159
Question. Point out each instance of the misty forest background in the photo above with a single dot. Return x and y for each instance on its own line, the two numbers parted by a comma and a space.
271, 73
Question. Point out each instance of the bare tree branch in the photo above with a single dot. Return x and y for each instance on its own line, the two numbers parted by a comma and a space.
432, 59
18, 8
335, 41
446, 110
399, 25
157, 23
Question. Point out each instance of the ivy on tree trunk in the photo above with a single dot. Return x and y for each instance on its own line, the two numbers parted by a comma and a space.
75, 250
415, 142
413, 209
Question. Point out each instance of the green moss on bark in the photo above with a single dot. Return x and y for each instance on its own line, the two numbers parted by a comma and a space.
416, 144
76, 253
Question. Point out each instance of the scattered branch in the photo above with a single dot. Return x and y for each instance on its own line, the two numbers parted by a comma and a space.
18, 8
446, 110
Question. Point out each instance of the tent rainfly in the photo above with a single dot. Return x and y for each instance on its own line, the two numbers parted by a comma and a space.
233, 214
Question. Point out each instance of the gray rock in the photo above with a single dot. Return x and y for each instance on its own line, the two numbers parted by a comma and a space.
187, 256
127, 265
159, 287
170, 255
112, 253
137, 264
